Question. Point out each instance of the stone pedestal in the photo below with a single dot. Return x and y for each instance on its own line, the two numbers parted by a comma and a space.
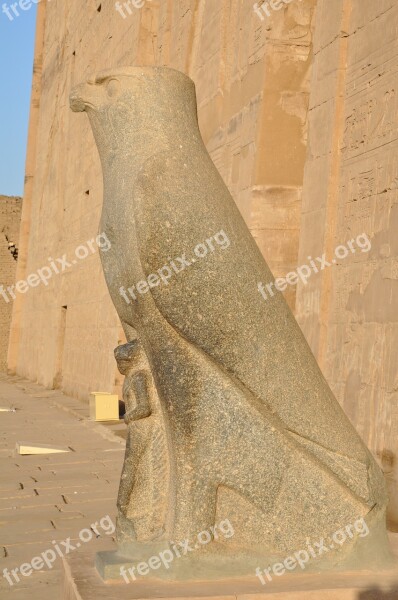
82, 582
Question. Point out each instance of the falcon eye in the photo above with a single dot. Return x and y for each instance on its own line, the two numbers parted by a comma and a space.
113, 88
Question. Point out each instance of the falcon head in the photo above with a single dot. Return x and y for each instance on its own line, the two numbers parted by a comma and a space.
100, 90
124, 103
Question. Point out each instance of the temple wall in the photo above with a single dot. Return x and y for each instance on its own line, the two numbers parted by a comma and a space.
252, 79
349, 312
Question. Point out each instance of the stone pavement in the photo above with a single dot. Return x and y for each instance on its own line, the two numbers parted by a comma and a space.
46, 498
53, 497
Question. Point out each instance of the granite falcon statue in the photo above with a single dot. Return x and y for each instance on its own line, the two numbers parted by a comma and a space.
253, 429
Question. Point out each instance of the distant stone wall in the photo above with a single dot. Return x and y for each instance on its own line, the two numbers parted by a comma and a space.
10, 217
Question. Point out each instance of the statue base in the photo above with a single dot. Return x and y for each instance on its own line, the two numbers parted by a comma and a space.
82, 581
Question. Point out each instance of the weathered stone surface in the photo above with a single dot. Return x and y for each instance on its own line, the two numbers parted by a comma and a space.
349, 313
252, 428
81, 582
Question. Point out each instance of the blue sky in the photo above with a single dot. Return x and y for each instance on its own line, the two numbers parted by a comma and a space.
16, 65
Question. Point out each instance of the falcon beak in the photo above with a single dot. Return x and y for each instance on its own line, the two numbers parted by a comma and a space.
76, 101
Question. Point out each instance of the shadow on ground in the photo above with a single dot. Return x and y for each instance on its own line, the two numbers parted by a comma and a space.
375, 593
